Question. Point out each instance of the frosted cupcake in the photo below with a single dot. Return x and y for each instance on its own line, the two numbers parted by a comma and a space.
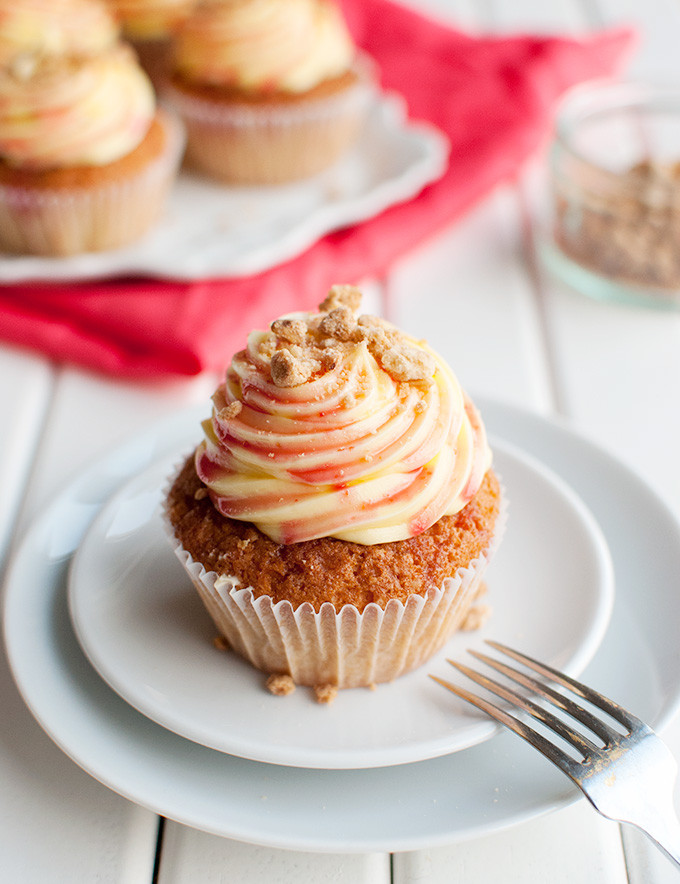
86, 159
338, 516
54, 27
270, 91
149, 25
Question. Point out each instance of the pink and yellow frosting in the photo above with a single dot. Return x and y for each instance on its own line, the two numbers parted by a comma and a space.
54, 27
264, 45
151, 19
333, 426
68, 111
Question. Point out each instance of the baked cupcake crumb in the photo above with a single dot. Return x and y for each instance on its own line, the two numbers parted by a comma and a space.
220, 643
280, 685
476, 617
325, 693
327, 569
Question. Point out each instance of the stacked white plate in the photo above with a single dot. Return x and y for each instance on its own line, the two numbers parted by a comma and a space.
113, 653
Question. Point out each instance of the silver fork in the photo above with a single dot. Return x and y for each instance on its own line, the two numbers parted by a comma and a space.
628, 779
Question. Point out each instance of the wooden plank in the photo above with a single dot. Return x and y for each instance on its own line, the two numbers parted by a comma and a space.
25, 384
59, 824
91, 415
468, 293
575, 845
190, 856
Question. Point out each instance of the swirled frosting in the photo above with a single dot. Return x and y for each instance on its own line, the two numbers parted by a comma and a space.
329, 426
151, 19
64, 112
264, 45
53, 27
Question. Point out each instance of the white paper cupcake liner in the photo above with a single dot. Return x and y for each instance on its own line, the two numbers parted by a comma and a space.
265, 144
345, 648
68, 221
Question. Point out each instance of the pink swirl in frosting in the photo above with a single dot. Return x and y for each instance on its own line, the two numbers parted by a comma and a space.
366, 436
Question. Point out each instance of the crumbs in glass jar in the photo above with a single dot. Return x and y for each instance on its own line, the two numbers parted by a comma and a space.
627, 228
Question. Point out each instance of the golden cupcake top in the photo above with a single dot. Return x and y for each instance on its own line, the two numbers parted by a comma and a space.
150, 19
54, 27
331, 424
264, 45
68, 111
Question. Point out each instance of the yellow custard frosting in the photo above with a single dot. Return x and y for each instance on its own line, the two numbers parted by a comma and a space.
54, 27
264, 45
72, 111
333, 425
150, 19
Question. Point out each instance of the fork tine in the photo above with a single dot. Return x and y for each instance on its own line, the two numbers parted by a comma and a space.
577, 740
538, 741
617, 712
606, 733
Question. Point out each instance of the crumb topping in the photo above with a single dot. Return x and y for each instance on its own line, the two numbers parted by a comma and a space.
298, 349
292, 330
289, 370
341, 296
230, 411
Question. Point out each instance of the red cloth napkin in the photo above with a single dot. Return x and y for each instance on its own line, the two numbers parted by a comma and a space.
492, 96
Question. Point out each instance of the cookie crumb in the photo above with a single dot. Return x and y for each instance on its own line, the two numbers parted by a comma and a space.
330, 358
292, 330
289, 371
339, 324
475, 618
200, 494
230, 411
220, 643
341, 296
407, 364
280, 685
325, 693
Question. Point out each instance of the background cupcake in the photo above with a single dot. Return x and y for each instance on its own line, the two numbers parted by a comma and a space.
54, 27
270, 91
86, 159
339, 514
149, 25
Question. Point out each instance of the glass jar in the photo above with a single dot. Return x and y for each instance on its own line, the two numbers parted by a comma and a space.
614, 226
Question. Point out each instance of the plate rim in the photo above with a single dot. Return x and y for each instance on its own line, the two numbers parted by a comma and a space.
548, 790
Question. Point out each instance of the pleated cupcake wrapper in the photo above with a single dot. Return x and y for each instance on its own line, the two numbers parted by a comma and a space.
354, 99
345, 648
266, 145
63, 221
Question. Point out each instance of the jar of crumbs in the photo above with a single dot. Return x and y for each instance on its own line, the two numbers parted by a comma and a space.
614, 225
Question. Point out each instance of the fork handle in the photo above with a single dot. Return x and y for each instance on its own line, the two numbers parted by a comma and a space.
664, 832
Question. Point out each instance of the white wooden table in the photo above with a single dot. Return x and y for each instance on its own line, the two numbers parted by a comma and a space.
544, 348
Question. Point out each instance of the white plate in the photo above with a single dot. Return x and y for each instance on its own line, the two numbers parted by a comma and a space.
211, 230
144, 629
467, 794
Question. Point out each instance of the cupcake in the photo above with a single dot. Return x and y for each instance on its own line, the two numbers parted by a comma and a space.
337, 517
149, 26
270, 92
54, 27
86, 159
